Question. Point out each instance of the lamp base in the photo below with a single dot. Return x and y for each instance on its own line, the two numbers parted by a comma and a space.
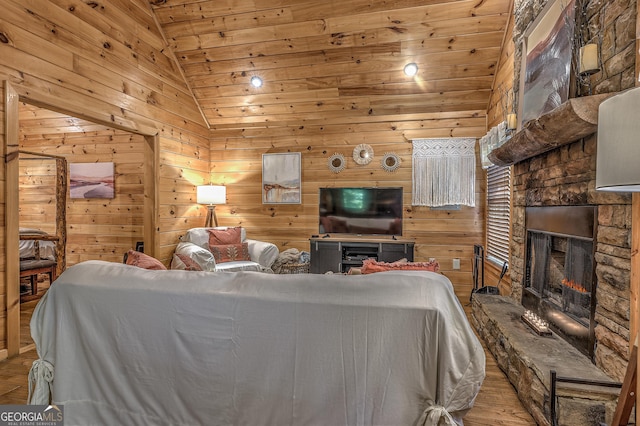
212, 219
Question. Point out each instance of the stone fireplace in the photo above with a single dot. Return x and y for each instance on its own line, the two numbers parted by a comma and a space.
580, 283
560, 283
570, 262
565, 178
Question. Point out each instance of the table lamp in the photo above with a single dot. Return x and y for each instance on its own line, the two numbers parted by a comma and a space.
211, 195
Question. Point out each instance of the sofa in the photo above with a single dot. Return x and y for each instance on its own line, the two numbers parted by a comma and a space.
223, 249
119, 344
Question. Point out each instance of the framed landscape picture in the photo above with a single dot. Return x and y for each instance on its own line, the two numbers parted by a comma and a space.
91, 180
281, 178
546, 54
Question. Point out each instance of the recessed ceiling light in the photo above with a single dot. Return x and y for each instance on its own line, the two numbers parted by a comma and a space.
411, 69
256, 81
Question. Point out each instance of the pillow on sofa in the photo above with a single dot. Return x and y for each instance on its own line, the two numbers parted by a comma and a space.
185, 263
200, 236
369, 266
186, 254
219, 237
230, 252
141, 260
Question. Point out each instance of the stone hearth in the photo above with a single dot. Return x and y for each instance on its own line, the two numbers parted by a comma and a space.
527, 359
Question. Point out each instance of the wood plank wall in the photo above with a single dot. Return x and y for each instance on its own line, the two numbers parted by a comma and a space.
37, 193
442, 234
108, 64
102, 229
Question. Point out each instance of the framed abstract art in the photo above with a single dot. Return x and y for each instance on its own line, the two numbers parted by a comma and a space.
281, 178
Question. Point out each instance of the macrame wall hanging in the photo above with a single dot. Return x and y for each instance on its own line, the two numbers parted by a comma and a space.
444, 172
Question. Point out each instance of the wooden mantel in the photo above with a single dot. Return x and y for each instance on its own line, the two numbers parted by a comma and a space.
574, 119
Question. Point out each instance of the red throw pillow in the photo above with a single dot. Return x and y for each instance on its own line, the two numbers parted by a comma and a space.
369, 266
189, 263
230, 252
219, 237
142, 260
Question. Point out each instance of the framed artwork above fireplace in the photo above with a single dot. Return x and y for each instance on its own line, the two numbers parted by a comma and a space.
546, 60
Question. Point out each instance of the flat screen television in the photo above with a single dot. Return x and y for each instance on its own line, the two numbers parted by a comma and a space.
371, 211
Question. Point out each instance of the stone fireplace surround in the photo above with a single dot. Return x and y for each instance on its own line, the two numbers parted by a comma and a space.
560, 282
565, 176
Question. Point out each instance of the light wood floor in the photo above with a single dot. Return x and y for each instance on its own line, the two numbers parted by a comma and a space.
496, 404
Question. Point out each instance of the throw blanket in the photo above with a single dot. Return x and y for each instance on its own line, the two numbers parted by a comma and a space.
289, 256
124, 345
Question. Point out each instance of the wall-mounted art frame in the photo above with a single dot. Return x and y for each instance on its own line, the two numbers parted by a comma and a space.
282, 178
91, 180
545, 77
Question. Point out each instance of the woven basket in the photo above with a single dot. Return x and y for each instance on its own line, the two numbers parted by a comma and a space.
294, 268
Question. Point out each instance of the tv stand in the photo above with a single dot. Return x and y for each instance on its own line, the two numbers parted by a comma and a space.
339, 254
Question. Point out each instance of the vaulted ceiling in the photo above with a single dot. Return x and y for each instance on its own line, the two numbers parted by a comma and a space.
333, 61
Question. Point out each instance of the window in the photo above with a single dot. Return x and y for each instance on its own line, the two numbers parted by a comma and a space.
498, 217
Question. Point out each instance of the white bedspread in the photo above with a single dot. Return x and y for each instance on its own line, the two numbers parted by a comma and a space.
137, 347
27, 248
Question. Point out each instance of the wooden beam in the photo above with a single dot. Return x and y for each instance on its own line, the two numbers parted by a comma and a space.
12, 265
61, 214
574, 119
151, 198
627, 393
635, 233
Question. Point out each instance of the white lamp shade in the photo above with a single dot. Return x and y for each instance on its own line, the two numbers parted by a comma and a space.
211, 194
618, 155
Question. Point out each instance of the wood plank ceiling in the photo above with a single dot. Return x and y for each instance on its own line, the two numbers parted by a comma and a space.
333, 61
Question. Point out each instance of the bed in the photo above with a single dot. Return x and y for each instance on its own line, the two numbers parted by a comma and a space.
37, 256
33, 247
123, 345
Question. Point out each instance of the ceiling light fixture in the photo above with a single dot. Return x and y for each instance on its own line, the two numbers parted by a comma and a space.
256, 81
411, 69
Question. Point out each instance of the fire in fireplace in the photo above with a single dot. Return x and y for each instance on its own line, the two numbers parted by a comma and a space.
560, 278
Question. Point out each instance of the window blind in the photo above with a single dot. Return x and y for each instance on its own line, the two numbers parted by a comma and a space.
498, 217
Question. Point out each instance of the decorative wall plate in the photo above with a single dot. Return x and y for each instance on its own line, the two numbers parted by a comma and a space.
362, 154
390, 161
336, 163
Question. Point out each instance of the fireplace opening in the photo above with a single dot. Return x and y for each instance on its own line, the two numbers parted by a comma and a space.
560, 279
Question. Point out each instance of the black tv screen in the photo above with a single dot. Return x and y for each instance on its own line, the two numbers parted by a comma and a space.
372, 211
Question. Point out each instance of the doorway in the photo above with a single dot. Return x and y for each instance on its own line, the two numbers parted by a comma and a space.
101, 228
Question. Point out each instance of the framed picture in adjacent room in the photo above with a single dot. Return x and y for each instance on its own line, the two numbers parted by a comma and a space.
281, 178
91, 180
